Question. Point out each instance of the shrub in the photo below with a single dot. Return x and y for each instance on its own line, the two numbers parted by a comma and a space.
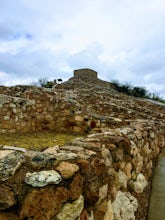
140, 92
46, 84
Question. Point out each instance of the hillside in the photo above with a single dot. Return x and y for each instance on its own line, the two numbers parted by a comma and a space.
104, 175
79, 105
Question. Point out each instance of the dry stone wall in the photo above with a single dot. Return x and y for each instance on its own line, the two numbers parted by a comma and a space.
100, 176
103, 176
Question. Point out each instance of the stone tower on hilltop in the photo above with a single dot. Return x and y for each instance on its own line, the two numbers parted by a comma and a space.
85, 73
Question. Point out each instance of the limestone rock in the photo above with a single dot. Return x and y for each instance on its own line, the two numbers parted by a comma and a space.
10, 161
103, 192
107, 156
122, 179
42, 159
7, 199
140, 183
67, 169
44, 203
124, 206
66, 156
52, 150
109, 212
43, 178
14, 148
71, 211
128, 169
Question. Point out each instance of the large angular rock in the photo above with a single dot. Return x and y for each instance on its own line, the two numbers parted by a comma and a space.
67, 169
44, 203
109, 212
7, 198
43, 178
66, 156
124, 206
43, 160
140, 183
10, 161
71, 211
76, 187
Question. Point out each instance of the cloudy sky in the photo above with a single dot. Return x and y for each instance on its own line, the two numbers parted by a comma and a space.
122, 40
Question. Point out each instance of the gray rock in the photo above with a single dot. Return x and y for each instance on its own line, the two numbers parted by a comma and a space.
43, 159
71, 211
14, 148
66, 156
43, 178
10, 161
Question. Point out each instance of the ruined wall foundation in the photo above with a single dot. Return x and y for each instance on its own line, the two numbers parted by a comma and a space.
105, 175
97, 177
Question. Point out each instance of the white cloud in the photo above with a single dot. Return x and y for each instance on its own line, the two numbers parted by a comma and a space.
122, 39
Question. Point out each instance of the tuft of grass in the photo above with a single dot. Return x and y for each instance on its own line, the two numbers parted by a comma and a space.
36, 141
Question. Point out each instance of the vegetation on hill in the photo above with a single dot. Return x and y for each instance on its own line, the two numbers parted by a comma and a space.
140, 92
45, 83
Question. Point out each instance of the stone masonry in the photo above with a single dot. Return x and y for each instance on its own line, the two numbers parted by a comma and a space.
105, 175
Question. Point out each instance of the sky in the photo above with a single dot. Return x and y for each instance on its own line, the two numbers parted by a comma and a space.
122, 40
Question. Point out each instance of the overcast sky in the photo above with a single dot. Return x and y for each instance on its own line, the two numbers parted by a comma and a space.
120, 39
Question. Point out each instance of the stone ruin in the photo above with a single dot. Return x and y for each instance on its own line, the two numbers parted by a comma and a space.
105, 175
85, 73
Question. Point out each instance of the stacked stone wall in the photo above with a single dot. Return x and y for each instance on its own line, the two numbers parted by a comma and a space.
103, 176
46, 112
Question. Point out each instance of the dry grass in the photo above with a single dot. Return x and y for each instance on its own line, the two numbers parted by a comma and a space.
39, 140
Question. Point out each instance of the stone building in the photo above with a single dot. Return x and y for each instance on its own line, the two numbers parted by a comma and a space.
86, 72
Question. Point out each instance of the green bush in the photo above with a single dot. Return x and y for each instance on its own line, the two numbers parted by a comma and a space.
46, 84
140, 92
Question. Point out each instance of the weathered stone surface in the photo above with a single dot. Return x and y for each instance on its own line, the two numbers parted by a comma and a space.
10, 161
67, 170
42, 159
8, 216
140, 183
109, 212
66, 156
7, 198
72, 210
43, 178
14, 148
124, 206
107, 156
125, 138
103, 192
43, 203
76, 186
122, 180
128, 169
100, 210
52, 150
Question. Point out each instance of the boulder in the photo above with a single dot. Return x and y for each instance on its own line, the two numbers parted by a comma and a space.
43, 178
44, 203
10, 161
72, 210
7, 198
67, 170
140, 183
124, 206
